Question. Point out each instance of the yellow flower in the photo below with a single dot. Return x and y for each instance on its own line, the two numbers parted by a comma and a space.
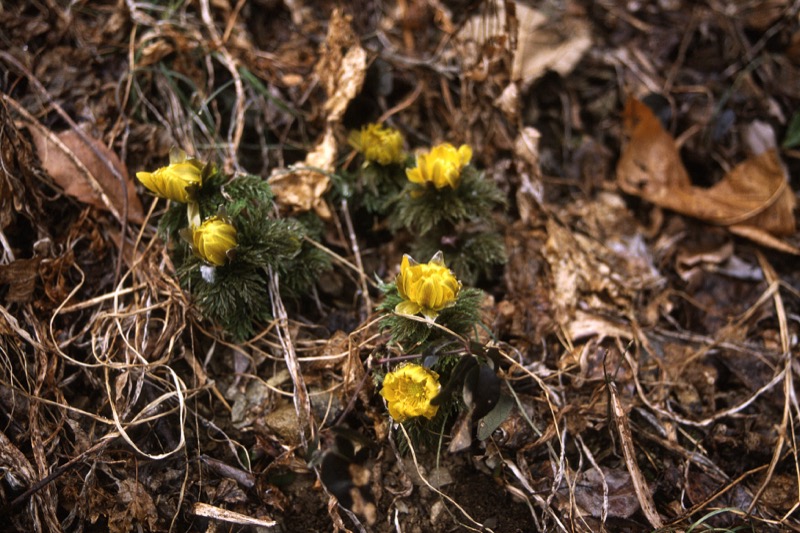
176, 181
426, 288
213, 239
441, 166
409, 391
379, 144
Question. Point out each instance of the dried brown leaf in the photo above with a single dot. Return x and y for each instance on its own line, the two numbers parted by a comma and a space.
342, 75
134, 507
781, 493
302, 189
544, 45
340, 37
154, 52
21, 277
753, 200
350, 78
600, 269
17, 190
622, 501
84, 175
530, 192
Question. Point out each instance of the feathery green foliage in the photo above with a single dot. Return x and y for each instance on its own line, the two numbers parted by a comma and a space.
469, 254
236, 298
415, 335
300, 273
380, 186
372, 187
236, 295
473, 199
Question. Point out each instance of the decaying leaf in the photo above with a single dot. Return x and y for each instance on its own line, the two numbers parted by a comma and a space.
84, 175
542, 43
21, 276
530, 193
301, 189
622, 501
350, 75
604, 270
16, 172
134, 507
753, 200
342, 75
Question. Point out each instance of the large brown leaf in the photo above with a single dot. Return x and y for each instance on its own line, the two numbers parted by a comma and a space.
753, 200
83, 174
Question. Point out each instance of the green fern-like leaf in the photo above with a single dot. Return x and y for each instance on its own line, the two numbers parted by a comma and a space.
172, 221
236, 295
300, 273
469, 255
422, 209
461, 318
237, 298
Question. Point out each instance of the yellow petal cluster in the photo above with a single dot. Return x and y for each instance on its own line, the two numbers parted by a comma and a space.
213, 239
426, 288
441, 166
409, 391
378, 144
176, 181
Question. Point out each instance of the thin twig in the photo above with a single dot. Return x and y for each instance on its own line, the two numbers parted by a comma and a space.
302, 403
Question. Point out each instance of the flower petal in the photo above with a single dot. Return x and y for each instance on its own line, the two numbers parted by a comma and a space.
407, 308
408, 391
426, 288
441, 166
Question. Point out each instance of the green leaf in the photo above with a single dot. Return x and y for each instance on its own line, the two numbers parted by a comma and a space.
792, 138
495, 417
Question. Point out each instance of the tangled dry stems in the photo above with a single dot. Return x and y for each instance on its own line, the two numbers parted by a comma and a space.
136, 345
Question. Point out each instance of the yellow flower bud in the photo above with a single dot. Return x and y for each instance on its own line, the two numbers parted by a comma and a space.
426, 288
409, 391
213, 239
440, 167
176, 181
378, 144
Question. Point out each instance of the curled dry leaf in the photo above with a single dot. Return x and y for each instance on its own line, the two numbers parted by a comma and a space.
301, 189
134, 506
85, 175
542, 43
753, 200
530, 193
622, 500
342, 75
21, 276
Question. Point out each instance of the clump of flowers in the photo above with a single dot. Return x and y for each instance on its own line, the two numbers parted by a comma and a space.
447, 203
224, 239
378, 144
441, 167
178, 182
376, 183
426, 288
443, 345
433, 291
408, 391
